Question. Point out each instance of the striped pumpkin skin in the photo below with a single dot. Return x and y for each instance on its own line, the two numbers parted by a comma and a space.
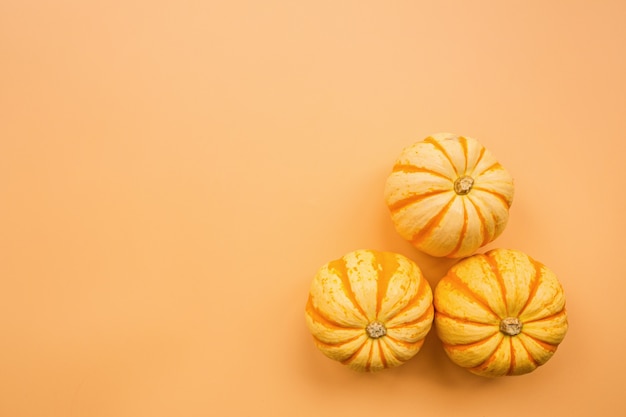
370, 310
448, 195
500, 313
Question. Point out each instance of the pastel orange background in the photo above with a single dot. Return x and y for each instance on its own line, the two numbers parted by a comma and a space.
173, 174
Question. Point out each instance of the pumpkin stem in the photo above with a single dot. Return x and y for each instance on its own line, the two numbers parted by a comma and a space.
511, 326
376, 329
463, 184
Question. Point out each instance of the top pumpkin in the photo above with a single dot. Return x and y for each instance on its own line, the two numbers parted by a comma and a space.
448, 195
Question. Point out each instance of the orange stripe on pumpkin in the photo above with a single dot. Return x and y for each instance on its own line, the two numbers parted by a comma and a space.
490, 359
496, 194
460, 348
390, 350
425, 316
400, 204
483, 223
534, 284
354, 355
492, 167
317, 315
480, 157
334, 345
548, 318
383, 359
513, 359
408, 168
420, 236
370, 358
463, 142
496, 271
545, 345
461, 319
415, 345
453, 279
387, 266
441, 149
339, 266
419, 294
463, 231
530, 357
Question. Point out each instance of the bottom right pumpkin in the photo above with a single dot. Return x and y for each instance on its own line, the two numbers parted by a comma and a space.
500, 313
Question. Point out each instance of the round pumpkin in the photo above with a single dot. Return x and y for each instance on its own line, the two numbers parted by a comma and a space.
448, 195
370, 310
500, 313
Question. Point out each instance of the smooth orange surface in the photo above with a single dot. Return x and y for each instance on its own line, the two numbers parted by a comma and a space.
172, 175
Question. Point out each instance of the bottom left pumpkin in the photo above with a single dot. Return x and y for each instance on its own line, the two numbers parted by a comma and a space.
370, 310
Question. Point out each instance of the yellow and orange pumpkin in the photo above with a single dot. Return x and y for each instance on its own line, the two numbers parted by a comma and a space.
500, 313
369, 310
448, 195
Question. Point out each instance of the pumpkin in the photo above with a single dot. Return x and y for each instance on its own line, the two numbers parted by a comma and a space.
369, 310
448, 195
500, 313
